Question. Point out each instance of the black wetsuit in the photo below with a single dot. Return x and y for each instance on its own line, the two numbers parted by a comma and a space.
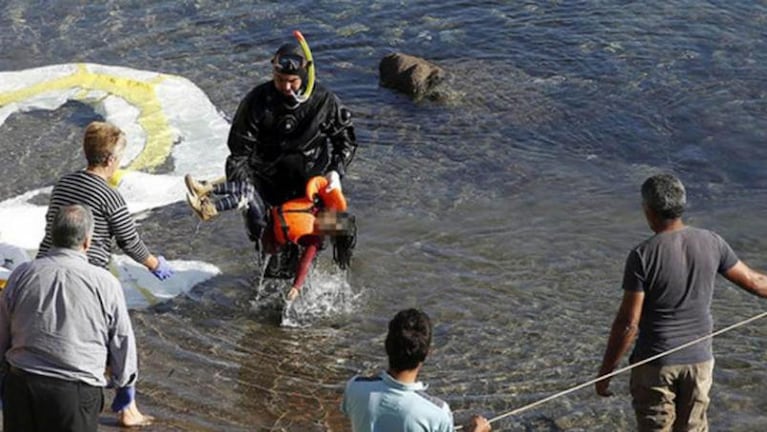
278, 146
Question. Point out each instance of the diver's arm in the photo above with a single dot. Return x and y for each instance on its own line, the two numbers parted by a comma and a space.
342, 137
242, 142
243, 134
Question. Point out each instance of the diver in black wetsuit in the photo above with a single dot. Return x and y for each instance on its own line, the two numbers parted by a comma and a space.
279, 139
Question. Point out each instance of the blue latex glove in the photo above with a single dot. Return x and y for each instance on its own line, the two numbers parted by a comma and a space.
123, 397
163, 270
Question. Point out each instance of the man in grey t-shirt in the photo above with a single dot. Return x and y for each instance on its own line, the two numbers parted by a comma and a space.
668, 284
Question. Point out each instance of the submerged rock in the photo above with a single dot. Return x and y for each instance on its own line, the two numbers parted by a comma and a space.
411, 75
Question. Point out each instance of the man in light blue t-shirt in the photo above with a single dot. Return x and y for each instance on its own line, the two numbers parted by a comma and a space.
394, 401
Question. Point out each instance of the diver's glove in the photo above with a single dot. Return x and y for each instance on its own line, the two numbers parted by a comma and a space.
123, 398
163, 270
334, 181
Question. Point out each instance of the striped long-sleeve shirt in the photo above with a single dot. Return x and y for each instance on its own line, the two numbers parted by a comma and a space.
110, 216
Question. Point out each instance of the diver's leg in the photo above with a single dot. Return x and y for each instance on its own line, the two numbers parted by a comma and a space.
255, 211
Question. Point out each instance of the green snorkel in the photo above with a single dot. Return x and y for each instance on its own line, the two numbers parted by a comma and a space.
307, 93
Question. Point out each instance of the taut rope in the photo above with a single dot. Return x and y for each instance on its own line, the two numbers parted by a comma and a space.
627, 368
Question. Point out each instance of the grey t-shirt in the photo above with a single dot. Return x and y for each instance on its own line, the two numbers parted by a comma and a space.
676, 270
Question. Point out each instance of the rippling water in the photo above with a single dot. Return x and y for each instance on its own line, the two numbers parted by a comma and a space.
505, 212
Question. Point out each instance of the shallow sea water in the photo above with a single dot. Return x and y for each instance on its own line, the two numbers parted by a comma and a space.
505, 212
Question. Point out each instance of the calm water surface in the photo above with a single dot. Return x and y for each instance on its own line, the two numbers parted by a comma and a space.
505, 212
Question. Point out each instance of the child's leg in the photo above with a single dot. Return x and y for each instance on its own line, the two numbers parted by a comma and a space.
198, 189
311, 245
235, 194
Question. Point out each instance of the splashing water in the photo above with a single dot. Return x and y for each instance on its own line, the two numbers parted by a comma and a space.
326, 293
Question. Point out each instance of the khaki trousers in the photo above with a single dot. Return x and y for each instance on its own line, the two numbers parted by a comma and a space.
672, 398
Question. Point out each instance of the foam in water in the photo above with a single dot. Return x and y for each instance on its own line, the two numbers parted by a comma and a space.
326, 292
164, 117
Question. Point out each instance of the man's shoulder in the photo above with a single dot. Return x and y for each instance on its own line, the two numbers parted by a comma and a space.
687, 232
704, 240
433, 400
420, 397
100, 272
258, 98
324, 94
424, 406
359, 381
92, 272
100, 277
361, 387
24, 267
260, 90
373, 378
703, 232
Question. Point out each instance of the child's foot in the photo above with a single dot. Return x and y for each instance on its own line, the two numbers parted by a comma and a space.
202, 206
197, 188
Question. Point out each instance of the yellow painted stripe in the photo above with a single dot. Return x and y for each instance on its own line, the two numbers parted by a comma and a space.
141, 94
148, 295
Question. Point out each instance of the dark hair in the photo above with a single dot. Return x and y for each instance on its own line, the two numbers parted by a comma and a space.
71, 225
408, 340
664, 194
344, 240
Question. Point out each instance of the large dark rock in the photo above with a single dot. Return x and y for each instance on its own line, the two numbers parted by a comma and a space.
411, 75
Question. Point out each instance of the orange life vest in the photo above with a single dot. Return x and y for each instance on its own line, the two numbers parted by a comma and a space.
295, 218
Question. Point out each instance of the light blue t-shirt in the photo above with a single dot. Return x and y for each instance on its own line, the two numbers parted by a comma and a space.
383, 404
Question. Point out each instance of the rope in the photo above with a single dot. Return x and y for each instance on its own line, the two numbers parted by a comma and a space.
627, 368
